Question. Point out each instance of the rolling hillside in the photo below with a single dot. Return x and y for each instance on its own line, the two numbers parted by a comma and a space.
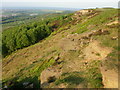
80, 52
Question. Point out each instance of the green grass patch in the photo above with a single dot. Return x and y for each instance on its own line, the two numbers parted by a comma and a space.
29, 74
100, 19
112, 61
71, 79
93, 75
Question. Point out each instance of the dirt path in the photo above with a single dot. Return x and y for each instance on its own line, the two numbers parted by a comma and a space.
95, 52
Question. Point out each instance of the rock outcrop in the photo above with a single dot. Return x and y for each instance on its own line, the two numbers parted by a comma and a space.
49, 75
110, 78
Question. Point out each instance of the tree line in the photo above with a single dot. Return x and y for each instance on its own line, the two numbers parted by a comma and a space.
25, 35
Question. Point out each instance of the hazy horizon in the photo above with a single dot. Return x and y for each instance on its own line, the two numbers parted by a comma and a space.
60, 4
48, 8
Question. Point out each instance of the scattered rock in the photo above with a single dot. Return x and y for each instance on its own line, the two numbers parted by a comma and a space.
86, 63
5, 86
85, 37
25, 83
114, 38
72, 40
83, 12
114, 22
56, 58
105, 32
62, 86
100, 32
105, 69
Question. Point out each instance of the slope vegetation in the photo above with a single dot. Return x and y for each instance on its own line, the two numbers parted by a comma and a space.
81, 53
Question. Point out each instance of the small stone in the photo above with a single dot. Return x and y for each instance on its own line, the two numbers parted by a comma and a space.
114, 38
86, 63
5, 86
79, 39
25, 83
105, 69
72, 39
85, 37
56, 58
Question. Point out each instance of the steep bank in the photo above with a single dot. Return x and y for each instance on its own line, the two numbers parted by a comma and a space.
69, 57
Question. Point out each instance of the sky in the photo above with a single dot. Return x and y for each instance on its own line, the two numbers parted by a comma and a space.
61, 3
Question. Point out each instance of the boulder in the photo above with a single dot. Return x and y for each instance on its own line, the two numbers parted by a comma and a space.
110, 78
49, 75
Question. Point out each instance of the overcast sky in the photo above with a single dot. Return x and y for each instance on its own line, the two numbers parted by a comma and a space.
60, 3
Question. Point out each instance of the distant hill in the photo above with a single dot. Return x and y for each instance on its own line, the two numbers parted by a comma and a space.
12, 16
42, 8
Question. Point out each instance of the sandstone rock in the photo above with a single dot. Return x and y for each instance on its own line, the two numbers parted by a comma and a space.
100, 32
104, 32
83, 12
49, 75
56, 58
110, 78
114, 22
114, 38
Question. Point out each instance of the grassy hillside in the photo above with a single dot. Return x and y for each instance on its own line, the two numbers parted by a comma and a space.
25, 35
80, 53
